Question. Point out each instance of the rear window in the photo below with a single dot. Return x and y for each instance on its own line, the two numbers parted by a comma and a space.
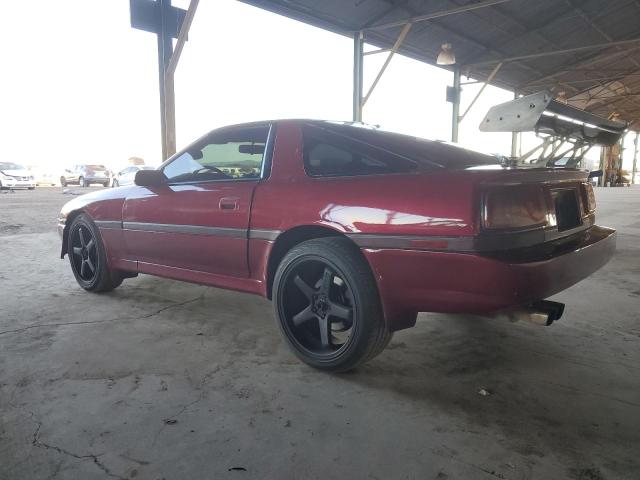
337, 149
328, 153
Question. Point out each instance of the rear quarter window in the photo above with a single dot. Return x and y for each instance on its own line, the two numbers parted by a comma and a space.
329, 153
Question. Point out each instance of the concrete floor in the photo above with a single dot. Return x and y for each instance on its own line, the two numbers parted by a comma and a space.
165, 380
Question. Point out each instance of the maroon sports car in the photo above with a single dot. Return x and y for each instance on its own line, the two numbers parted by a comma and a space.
350, 230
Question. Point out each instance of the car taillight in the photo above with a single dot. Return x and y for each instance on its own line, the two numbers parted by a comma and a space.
514, 207
589, 198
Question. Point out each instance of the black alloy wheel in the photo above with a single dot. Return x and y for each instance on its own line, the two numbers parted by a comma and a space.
324, 306
85, 253
327, 305
87, 257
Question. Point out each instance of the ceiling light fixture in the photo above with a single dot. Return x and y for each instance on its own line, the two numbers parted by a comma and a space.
446, 56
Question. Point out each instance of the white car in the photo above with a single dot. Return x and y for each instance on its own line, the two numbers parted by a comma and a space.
13, 175
128, 175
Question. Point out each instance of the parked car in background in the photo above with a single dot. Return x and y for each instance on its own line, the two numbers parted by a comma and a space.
45, 176
350, 230
84, 175
13, 175
127, 175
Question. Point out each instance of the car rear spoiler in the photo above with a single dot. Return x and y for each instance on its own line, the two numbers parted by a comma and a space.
540, 113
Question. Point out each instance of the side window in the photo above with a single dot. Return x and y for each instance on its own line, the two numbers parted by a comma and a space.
234, 153
329, 154
325, 159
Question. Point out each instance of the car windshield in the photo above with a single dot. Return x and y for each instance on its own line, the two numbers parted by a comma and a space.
10, 166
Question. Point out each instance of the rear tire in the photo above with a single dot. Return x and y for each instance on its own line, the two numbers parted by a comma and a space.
82, 182
115, 183
88, 258
63, 182
327, 305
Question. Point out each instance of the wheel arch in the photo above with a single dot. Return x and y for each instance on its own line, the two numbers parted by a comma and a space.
292, 237
71, 216
396, 318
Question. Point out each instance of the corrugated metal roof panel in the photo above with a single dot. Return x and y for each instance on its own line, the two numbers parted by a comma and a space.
512, 28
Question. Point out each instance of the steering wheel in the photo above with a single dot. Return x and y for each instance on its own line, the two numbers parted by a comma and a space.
210, 168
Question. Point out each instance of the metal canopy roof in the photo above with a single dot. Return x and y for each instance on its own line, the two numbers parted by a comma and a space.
519, 33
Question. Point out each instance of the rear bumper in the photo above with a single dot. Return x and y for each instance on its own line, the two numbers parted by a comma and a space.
97, 180
413, 281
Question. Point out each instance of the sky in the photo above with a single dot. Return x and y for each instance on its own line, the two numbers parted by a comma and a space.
79, 85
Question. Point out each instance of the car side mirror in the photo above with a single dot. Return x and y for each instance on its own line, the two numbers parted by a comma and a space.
150, 178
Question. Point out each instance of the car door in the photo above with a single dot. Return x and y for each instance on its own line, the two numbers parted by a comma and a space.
199, 219
72, 174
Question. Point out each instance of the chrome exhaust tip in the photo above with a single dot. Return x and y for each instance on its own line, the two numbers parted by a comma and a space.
553, 310
543, 312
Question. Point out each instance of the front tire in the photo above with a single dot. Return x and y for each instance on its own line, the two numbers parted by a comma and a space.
63, 182
115, 183
327, 305
82, 182
87, 257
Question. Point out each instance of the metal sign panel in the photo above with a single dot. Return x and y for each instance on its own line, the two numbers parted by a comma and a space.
146, 15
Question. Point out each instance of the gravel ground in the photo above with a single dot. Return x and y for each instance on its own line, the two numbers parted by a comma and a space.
33, 211
167, 380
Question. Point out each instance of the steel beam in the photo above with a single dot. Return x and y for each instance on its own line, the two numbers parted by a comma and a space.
583, 62
484, 85
450, 31
612, 78
442, 13
557, 52
358, 61
379, 50
394, 49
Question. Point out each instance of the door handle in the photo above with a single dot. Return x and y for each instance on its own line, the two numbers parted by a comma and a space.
228, 203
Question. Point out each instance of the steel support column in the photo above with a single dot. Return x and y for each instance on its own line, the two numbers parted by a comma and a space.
169, 141
165, 50
602, 165
358, 61
455, 115
514, 135
635, 158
